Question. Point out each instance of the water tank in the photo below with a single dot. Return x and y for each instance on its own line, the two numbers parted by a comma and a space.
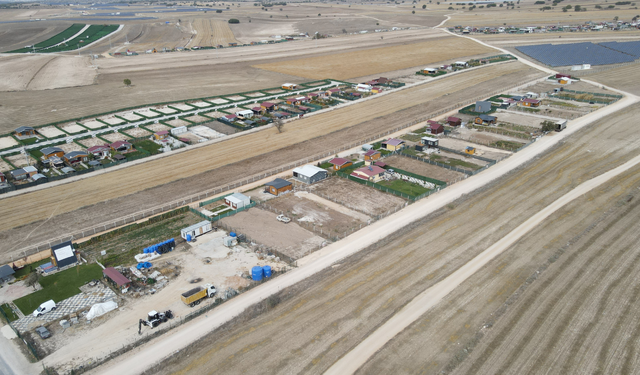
147, 265
267, 271
233, 234
256, 273
188, 238
140, 266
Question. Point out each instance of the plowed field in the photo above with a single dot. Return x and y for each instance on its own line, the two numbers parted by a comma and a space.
211, 33
378, 60
371, 116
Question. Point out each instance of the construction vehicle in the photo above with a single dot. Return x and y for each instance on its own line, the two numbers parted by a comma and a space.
195, 296
154, 319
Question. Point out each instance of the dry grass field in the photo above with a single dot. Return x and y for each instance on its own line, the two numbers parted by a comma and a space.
315, 323
378, 60
211, 33
625, 78
14, 36
250, 153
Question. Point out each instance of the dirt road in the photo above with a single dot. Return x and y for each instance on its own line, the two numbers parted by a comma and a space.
319, 320
251, 153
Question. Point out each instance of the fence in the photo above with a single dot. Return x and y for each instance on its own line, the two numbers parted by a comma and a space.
32, 350
212, 192
463, 154
451, 168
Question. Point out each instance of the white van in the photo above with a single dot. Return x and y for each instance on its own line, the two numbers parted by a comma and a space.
45, 307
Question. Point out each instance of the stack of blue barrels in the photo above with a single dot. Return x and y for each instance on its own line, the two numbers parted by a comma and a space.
257, 272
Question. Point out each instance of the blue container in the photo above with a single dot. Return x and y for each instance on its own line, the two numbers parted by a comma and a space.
256, 273
140, 266
188, 238
233, 234
267, 271
147, 265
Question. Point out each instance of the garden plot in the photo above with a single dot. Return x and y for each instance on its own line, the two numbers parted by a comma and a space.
90, 142
183, 107
221, 128
485, 136
197, 119
4, 166
218, 101
178, 123
73, 128
68, 147
6, 142
518, 118
148, 113
356, 196
254, 95
112, 120
200, 104
115, 137
193, 138
235, 98
94, 124
423, 169
19, 160
158, 127
137, 132
131, 116
166, 110
481, 150
262, 227
205, 132
276, 91
51, 132
214, 114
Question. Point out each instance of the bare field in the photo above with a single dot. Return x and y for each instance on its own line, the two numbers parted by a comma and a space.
197, 119
68, 147
20, 160
177, 123
114, 137
6, 142
262, 227
424, 169
210, 33
378, 60
625, 78
43, 72
137, 132
4, 166
157, 127
51, 132
90, 142
336, 127
12, 37
319, 320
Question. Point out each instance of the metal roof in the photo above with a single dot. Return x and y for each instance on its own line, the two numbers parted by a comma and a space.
393, 142
5, 271
23, 128
278, 183
308, 170
116, 276
195, 226
51, 150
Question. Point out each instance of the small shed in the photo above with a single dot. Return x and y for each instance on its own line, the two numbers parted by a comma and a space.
454, 121
245, 114
309, 174
25, 131
430, 142
67, 170
121, 146
436, 128
75, 157
115, 277
470, 150
195, 230
371, 173
278, 186
429, 71
119, 158
38, 176
237, 200
482, 107
48, 152
289, 86
63, 254
485, 120
371, 156
339, 163
100, 151
530, 102
268, 106
163, 134
6, 273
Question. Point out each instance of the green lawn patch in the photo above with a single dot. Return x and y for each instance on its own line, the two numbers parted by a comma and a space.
507, 145
460, 163
411, 137
28, 141
404, 187
8, 312
326, 165
148, 146
59, 286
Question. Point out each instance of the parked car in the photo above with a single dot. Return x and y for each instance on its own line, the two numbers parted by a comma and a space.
283, 219
43, 332
44, 308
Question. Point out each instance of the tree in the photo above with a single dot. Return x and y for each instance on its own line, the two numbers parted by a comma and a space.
32, 279
424, 6
615, 19
234, 20
127, 82
413, 12
279, 125
548, 126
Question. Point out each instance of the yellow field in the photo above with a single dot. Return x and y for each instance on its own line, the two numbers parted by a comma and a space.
59, 199
378, 60
210, 33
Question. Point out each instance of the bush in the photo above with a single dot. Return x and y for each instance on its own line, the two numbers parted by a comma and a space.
233, 20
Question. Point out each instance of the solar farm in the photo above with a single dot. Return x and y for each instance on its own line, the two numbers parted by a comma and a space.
630, 48
581, 53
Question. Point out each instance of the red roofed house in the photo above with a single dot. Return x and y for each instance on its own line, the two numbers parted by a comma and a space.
436, 128
530, 102
339, 163
335, 91
377, 89
164, 134
258, 110
116, 278
268, 106
312, 95
371, 156
371, 173
559, 75
100, 151
393, 144
454, 121
229, 118
121, 146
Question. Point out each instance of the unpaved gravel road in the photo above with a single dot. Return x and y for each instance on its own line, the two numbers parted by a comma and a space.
319, 320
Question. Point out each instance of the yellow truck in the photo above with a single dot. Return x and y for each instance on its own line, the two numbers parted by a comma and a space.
195, 296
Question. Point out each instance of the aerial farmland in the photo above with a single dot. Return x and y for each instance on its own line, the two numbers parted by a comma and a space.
325, 187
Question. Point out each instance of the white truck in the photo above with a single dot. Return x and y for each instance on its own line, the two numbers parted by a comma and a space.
283, 219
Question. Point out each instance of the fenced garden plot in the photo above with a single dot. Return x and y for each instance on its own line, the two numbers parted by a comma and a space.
19, 160
96, 124
58, 38
114, 137
426, 167
8, 142
148, 146
136, 132
460, 165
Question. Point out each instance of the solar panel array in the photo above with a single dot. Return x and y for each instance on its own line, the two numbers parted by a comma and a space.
575, 54
630, 48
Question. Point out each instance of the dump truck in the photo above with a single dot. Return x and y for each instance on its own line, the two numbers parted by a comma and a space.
196, 295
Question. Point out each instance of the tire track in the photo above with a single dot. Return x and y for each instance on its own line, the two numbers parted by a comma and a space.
38, 72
